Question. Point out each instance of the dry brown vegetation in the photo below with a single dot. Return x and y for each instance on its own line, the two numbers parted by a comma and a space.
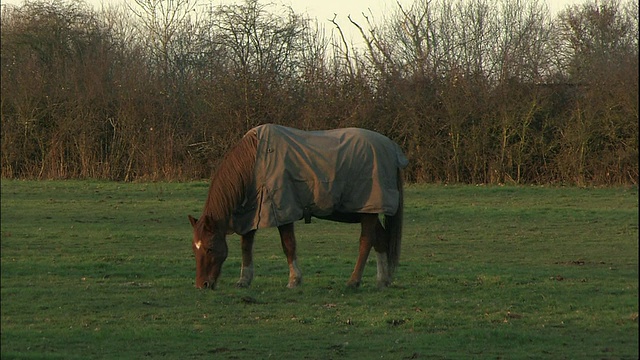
483, 91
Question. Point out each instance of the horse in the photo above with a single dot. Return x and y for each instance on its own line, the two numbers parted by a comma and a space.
276, 175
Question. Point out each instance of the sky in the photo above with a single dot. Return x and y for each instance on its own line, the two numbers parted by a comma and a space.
324, 10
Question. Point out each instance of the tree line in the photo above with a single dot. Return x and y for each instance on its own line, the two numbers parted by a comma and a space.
475, 91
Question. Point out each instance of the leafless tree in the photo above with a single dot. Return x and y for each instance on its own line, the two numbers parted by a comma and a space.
480, 91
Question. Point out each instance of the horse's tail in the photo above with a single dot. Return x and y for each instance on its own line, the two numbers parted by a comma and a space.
393, 228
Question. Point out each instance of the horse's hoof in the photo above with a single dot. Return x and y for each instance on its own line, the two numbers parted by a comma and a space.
353, 284
242, 284
294, 283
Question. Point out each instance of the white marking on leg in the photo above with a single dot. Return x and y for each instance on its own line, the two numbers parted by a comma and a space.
383, 270
246, 275
295, 275
295, 269
198, 245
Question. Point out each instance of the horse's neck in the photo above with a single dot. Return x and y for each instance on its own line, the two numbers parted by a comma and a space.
230, 182
224, 197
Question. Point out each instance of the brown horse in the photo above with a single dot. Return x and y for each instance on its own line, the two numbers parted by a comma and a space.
276, 175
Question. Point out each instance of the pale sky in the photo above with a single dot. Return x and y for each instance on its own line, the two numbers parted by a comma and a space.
324, 10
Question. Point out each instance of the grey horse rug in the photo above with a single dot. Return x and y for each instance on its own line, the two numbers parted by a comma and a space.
302, 173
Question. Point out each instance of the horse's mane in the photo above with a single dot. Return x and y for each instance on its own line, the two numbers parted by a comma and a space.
230, 180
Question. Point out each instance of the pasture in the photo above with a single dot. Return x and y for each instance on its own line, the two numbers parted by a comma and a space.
105, 270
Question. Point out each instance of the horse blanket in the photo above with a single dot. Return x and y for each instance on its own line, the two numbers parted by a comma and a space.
302, 173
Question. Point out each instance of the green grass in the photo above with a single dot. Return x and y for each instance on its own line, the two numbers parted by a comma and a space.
105, 270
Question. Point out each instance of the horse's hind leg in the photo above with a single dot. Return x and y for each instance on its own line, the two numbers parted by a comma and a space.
246, 271
288, 240
367, 236
380, 244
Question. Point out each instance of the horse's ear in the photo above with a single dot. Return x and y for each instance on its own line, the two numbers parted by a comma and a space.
193, 221
209, 223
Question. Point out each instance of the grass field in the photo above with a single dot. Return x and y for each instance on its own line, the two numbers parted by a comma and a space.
105, 270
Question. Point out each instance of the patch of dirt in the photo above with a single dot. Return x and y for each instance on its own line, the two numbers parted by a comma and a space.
396, 322
579, 263
249, 300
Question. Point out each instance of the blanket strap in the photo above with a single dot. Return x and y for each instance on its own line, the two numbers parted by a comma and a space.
306, 213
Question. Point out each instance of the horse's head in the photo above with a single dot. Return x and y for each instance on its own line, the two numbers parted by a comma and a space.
210, 249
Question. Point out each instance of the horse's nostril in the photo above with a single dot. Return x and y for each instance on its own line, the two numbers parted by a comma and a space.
205, 285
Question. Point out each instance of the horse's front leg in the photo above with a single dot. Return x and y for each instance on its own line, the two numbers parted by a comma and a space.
288, 240
367, 236
246, 271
